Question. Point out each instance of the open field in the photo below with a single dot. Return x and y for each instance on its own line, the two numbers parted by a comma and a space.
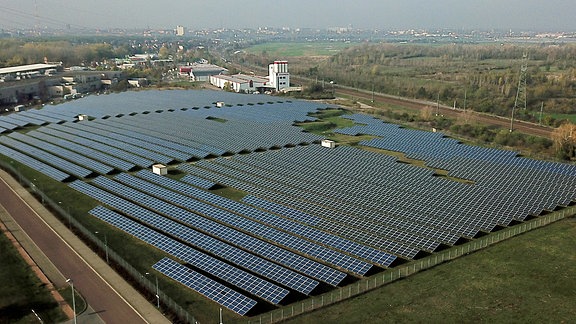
289, 50
526, 279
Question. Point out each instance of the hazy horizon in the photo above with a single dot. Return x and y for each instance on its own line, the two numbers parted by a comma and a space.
532, 15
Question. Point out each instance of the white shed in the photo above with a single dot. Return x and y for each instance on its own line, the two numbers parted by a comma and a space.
328, 143
160, 169
82, 117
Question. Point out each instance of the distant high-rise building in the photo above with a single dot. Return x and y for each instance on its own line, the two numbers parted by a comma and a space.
180, 30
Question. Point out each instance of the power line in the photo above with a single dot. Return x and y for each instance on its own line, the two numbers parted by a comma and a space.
37, 18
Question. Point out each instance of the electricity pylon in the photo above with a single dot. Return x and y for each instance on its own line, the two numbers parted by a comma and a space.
520, 101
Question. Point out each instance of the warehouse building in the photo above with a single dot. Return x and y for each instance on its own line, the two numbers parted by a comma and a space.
200, 71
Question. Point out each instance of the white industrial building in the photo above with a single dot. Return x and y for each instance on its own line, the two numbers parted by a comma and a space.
278, 79
278, 75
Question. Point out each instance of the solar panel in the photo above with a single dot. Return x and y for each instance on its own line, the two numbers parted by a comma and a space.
237, 277
122, 135
64, 153
220, 249
51, 159
121, 154
213, 290
110, 141
34, 164
198, 182
84, 150
240, 239
293, 242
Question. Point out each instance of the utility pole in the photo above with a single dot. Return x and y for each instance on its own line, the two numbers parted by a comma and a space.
541, 111
438, 104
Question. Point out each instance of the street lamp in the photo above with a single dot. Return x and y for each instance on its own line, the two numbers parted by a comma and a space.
157, 291
71, 283
105, 245
512, 120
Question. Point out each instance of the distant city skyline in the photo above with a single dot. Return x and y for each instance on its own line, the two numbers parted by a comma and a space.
529, 15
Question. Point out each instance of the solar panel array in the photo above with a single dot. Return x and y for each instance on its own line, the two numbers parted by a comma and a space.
287, 240
198, 182
311, 213
287, 225
216, 137
219, 269
64, 153
111, 141
47, 157
262, 108
413, 206
537, 185
219, 293
294, 261
230, 253
84, 150
102, 147
34, 164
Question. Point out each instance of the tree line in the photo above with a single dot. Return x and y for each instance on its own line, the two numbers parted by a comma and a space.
484, 78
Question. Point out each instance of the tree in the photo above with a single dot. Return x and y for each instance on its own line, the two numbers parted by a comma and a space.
564, 139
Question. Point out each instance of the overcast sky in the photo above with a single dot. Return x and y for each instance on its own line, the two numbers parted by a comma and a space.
534, 15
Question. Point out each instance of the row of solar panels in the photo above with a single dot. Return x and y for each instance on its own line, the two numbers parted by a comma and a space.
138, 102
461, 208
204, 285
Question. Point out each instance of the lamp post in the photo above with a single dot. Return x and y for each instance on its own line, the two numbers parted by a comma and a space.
71, 283
512, 120
105, 245
157, 291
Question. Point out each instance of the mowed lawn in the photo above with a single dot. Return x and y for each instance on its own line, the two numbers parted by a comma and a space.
526, 279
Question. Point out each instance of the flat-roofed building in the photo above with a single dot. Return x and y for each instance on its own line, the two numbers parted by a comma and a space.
201, 71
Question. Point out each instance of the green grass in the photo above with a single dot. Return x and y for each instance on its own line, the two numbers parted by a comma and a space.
526, 279
569, 117
298, 49
22, 291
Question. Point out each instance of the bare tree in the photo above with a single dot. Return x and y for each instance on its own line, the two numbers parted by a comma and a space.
564, 138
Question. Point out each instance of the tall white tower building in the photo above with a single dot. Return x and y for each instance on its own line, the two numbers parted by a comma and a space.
278, 75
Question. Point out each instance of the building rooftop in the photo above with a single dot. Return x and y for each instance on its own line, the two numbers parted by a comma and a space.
243, 78
27, 68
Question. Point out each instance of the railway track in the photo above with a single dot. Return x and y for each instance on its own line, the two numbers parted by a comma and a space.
417, 105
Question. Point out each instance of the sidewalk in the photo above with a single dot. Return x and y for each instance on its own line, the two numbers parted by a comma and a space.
148, 311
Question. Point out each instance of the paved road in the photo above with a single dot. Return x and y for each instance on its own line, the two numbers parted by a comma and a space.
56, 241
